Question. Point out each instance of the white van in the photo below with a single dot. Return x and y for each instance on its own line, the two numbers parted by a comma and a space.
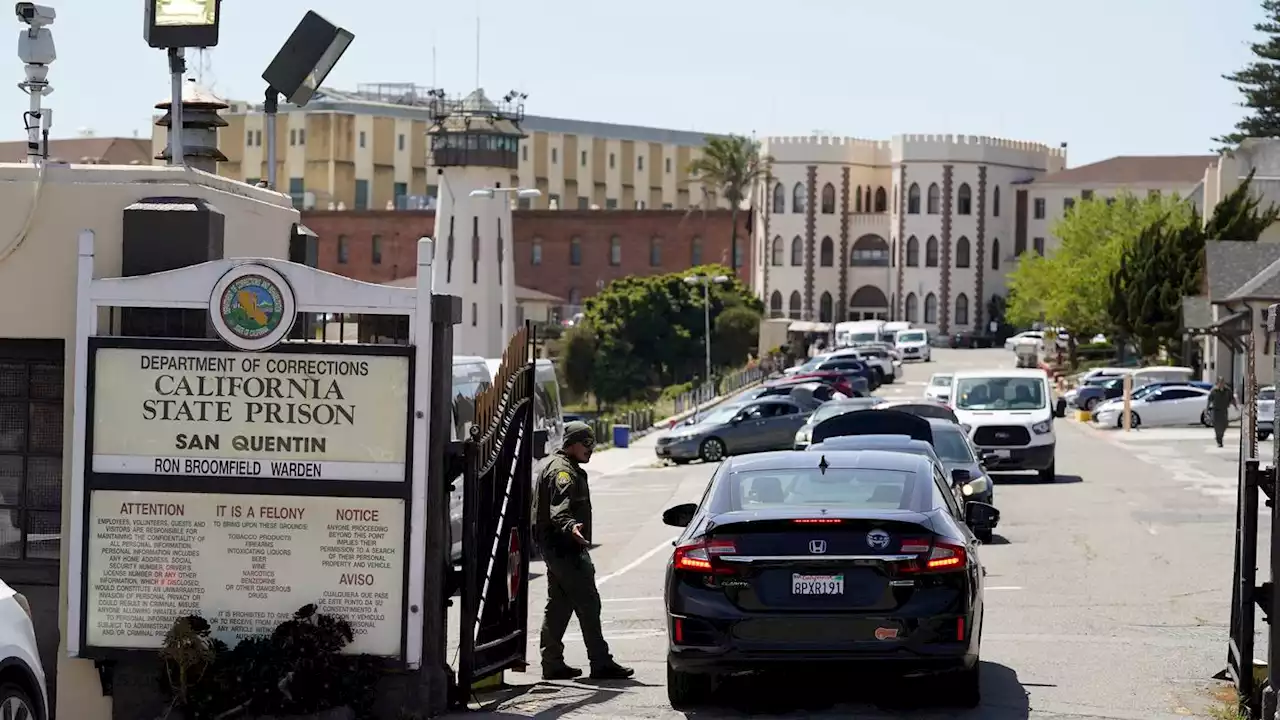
859, 332
1009, 415
547, 410
889, 333
913, 344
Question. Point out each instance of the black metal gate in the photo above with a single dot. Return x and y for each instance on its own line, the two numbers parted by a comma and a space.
495, 516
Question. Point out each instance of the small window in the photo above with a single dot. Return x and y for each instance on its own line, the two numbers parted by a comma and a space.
1111, 201
964, 200
344, 251
913, 199
1039, 209
535, 254
293, 137
400, 142
1153, 194
302, 137
1068, 203
575, 251
611, 161
995, 202
555, 155
668, 164
524, 153
376, 250
615, 251
475, 314
610, 203
655, 252
639, 162
1086, 194
249, 140
584, 203
257, 138
668, 206
584, 158
553, 201
1038, 244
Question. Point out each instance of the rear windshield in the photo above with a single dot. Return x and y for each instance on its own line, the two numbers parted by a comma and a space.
999, 393
843, 488
951, 446
830, 410
1267, 394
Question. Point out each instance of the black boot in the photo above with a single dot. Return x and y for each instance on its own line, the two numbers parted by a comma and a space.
611, 671
559, 671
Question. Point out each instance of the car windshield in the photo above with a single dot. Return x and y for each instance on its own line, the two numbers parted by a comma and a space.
721, 415
1267, 393
1145, 391
845, 488
951, 446
911, 337
999, 393
940, 381
813, 363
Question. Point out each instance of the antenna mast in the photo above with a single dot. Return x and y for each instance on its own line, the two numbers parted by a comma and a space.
477, 51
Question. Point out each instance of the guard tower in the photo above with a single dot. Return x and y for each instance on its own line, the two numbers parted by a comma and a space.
474, 147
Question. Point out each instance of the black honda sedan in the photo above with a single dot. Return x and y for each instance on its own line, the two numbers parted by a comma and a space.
860, 560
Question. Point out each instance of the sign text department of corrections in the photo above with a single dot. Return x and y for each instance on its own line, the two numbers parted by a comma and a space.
283, 415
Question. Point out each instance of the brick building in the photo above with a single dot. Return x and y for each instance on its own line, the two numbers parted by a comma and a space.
566, 253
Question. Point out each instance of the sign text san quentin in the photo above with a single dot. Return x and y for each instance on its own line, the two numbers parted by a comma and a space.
270, 400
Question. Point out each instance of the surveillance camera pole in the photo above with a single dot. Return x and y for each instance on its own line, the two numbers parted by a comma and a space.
271, 106
35, 49
177, 68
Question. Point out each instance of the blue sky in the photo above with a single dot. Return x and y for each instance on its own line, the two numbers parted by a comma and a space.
1109, 77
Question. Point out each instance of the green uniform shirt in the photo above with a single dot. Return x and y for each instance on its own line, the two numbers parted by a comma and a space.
561, 500
1220, 401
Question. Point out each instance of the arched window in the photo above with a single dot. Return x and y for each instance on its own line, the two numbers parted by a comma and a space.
931, 308
797, 198
935, 200
615, 250
535, 253
962, 252
779, 199
655, 252
825, 310
575, 251
962, 309
794, 309
913, 199
931, 253
868, 299
775, 255
995, 202
913, 252
995, 254
797, 252
913, 311
964, 200
867, 198
857, 199
775, 304
575, 297
869, 251
828, 199
695, 252
882, 200
827, 253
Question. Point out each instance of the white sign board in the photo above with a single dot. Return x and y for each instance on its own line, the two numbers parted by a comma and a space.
279, 415
245, 563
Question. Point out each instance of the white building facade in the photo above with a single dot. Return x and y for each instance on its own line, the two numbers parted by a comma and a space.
918, 228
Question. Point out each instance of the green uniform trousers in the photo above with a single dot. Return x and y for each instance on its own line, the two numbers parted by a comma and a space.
571, 590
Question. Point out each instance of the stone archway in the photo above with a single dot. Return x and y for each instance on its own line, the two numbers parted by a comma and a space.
869, 303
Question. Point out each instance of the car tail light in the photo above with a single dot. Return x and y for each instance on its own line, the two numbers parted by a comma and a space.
817, 521
698, 556
943, 557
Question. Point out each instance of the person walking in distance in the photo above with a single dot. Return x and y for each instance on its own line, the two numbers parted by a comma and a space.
562, 530
1221, 400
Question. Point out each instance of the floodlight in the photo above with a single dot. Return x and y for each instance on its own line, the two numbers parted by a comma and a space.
528, 193
182, 23
307, 57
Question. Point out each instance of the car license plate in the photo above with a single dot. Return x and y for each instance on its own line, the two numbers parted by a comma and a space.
817, 584
1005, 454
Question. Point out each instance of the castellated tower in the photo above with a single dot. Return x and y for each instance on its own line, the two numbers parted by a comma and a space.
474, 144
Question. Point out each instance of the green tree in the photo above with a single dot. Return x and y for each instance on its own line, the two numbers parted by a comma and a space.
1259, 82
1236, 216
735, 335
731, 166
1158, 268
579, 357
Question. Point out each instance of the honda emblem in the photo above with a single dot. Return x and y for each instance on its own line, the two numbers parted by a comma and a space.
817, 546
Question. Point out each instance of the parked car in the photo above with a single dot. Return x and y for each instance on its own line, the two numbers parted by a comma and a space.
939, 387
830, 410
1164, 406
913, 344
750, 581
922, 408
1266, 412
809, 395
854, 382
22, 690
1146, 390
768, 423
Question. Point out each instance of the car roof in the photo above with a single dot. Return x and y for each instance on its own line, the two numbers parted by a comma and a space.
1001, 373
849, 459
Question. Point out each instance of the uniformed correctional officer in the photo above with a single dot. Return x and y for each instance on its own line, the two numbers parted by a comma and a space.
562, 529
1221, 400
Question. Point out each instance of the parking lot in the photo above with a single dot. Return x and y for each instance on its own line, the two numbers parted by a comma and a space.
1107, 591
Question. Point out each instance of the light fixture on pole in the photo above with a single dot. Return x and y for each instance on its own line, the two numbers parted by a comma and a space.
518, 191
36, 51
705, 281
175, 25
297, 71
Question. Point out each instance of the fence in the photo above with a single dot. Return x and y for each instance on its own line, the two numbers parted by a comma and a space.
724, 385
638, 420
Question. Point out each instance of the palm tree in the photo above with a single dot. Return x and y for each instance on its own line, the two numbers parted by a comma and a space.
731, 166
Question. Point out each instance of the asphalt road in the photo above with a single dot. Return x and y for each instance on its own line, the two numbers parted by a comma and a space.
1107, 597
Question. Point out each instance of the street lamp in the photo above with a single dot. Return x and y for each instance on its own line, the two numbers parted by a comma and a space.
175, 25
705, 281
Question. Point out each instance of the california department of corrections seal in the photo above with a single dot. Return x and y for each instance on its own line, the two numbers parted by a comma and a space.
252, 307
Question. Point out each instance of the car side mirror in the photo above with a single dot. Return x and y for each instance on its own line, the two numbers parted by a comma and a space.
980, 515
1060, 409
960, 476
737, 419
680, 515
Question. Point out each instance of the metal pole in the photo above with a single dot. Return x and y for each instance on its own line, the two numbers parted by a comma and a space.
270, 106
1127, 384
706, 320
177, 68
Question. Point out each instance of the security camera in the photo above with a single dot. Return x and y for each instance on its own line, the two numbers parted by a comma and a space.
37, 16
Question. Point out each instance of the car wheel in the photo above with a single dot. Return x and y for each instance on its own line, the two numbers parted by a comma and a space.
712, 450
686, 690
1050, 473
964, 688
1090, 404
14, 701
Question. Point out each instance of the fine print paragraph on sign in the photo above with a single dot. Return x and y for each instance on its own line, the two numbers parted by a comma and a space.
245, 563
232, 414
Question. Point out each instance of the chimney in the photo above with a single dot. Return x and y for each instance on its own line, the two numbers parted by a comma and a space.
200, 123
